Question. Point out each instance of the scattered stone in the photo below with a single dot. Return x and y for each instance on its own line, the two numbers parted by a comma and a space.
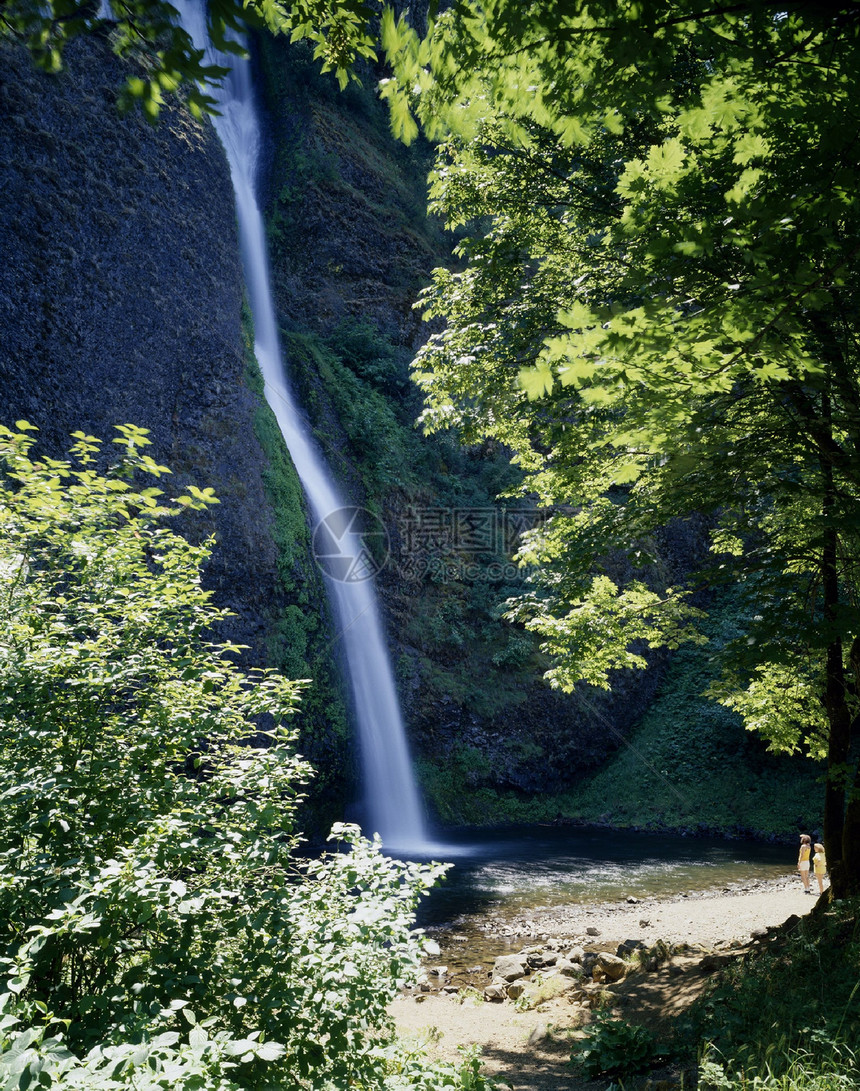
438, 971
597, 999
538, 1034
628, 946
644, 923
592, 931
575, 954
450, 989
515, 990
432, 948
632, 900
570, 969
759, 933
495, 993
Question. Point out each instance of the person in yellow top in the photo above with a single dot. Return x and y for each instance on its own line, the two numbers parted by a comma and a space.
803, 860
819, 862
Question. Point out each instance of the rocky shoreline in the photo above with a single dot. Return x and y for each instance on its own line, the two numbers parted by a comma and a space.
465, 955
521, 987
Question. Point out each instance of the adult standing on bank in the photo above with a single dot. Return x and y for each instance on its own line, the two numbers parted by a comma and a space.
803, 860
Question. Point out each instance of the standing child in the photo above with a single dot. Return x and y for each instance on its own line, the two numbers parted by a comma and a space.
819, 862
803, 860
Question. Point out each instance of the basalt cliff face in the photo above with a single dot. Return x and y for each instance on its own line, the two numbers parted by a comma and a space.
121, 295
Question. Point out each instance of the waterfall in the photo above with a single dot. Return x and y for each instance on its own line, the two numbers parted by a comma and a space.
392, 803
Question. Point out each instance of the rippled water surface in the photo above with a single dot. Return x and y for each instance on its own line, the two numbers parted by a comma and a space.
528, 867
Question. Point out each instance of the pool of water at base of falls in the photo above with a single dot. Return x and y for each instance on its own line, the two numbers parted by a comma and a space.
512, 870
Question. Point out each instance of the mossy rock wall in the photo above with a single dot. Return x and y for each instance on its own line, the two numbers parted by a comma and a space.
351, 247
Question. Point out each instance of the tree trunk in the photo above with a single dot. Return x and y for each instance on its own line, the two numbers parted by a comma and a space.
851, 825
835, 695
839, 722
848, 880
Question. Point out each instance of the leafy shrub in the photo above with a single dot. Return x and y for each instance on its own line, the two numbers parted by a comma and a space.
612, 1047
358, 343
157, 928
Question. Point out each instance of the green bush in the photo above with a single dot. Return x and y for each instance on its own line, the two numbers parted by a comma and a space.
612, 1047
157, 928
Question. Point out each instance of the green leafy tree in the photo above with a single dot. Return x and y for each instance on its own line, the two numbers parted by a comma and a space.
156, 923
655, 314
149, 31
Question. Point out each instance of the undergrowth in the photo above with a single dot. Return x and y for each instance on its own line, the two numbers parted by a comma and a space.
655, 780
801, 1070
788, 1015
614, 1047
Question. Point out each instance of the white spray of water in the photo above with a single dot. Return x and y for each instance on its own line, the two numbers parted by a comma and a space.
391, 797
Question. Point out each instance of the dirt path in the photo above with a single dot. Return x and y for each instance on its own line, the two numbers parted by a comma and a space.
529, 1050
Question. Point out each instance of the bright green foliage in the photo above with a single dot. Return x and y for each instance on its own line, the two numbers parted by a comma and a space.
655, 780
782, 703
824, 1068
147, 30
152, 907
655, 313
602, 632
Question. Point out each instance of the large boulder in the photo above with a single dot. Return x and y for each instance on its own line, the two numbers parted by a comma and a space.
510, 967
570, 969
609, 967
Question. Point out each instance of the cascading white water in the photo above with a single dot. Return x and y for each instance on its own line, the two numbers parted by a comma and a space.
391, 797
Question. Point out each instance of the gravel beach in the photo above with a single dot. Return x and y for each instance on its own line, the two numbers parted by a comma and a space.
528, 1050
